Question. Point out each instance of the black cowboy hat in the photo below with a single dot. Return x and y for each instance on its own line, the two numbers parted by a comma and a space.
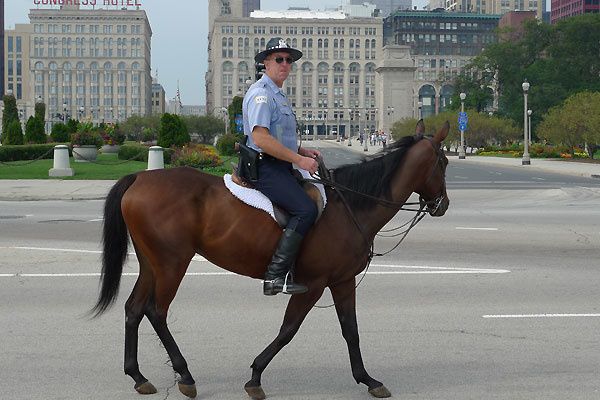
275, 45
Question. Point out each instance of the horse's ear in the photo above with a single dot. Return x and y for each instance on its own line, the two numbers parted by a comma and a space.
442, 133
420, 128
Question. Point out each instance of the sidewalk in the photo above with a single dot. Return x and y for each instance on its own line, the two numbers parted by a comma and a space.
53, 189
356, 147
57, 189
588, 170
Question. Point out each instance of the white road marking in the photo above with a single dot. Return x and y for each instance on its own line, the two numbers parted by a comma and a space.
195, 258
540, 315
96, 220
406, 269
442, 270
467, 228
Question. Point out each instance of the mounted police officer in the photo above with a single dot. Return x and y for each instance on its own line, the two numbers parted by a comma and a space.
270, 127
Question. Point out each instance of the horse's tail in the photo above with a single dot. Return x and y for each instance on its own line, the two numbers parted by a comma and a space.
115, 244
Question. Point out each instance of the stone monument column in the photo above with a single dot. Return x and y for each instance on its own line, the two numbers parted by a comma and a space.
396, 72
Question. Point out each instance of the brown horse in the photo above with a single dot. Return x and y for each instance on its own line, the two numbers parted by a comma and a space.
173, 214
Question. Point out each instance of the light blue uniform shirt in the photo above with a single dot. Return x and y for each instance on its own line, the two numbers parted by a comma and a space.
265, 105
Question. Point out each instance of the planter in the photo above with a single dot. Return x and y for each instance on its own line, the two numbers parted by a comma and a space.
110, 148
85, 153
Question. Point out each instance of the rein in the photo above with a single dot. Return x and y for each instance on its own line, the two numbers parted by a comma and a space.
419, 214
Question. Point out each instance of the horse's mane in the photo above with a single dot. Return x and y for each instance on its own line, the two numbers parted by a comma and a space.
373, 174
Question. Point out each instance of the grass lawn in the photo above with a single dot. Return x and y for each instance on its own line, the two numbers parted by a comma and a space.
107, 166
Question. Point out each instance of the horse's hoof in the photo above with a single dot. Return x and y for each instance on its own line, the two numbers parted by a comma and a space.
145, 388
255, 393
380, 392
188, 390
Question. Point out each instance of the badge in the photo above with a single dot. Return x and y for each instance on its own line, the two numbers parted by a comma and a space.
260, 100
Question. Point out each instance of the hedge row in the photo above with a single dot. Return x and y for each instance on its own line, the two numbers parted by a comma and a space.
139, 152
27, 152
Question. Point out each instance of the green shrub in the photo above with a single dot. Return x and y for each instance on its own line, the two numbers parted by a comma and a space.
135, 151
139, 152
226, 144
173, 131
13, 133
34, 131
60, 133
196, 156
27, 152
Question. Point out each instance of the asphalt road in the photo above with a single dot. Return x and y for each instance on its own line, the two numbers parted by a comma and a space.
496, 300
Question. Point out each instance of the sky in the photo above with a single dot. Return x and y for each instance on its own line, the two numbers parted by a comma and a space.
179, 40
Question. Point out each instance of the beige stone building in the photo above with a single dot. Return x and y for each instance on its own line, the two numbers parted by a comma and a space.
333, 88
16, 60
90, 63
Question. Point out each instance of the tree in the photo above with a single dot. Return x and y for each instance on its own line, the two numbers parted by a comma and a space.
234, 109
207, 127
34, 131
173, 131
557, 60
10, 112
13, 133
72, 125
576, 122
40, 111
135, 127
60, 133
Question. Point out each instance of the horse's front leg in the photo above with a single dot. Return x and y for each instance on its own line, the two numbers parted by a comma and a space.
345, 306
297, 309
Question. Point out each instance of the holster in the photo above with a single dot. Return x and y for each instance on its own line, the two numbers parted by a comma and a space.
248, 162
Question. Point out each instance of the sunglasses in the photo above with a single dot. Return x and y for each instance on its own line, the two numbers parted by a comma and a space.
280, 60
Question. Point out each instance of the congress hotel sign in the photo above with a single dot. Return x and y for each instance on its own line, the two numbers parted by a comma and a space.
100, 3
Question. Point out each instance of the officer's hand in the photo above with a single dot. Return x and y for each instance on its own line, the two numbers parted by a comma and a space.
309, 164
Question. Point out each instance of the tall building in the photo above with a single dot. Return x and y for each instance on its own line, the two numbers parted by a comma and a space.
442, 43
333, 83
495, 6
386, 7
249, 6
91, 63
158, 97
562, 9
1, 48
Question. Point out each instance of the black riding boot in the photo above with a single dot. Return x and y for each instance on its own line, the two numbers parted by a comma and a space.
278, 277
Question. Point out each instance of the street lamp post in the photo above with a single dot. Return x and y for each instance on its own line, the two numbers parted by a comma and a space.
65, 113
366, 139
349, 127
526, 159
461, 150
389, 111
529, 112
81, 111
224, 111
420, 113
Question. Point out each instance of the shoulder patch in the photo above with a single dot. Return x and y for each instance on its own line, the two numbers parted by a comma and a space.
260, 99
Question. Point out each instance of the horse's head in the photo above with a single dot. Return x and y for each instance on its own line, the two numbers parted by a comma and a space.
432, 191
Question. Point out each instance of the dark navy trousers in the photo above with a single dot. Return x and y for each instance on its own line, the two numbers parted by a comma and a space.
275, 180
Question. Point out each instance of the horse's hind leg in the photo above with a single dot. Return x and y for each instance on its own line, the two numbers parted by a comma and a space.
345, 306
134, 312
297, 309
156, 311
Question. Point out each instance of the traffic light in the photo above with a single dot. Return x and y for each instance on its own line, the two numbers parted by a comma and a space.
260, 70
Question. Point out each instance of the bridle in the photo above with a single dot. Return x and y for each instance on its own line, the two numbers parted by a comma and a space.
420, 213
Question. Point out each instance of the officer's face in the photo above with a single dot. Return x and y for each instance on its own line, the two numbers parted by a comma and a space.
278, 72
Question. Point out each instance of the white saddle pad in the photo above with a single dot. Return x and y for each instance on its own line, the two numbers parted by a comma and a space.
256, 199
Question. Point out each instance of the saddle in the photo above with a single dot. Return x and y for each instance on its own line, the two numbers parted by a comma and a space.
281, 216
